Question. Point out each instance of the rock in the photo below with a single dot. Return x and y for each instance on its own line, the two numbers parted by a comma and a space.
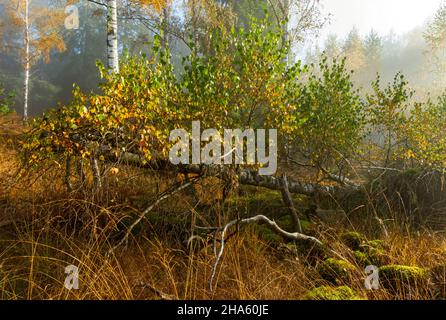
402, 279
362, 259
331, 216
268, 203
353, 240
366, 252
372, 253
329, 293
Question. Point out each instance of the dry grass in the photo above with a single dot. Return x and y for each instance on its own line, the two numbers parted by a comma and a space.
43, 229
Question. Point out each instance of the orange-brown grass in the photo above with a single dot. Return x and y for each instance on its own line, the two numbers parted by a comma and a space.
33, 268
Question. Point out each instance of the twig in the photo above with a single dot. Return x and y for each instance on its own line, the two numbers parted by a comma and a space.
159, 293
98, 3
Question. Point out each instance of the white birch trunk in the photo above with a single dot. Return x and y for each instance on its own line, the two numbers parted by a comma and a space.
112, 37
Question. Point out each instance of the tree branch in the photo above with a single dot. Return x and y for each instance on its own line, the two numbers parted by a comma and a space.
98, 3
161, 198
274, 227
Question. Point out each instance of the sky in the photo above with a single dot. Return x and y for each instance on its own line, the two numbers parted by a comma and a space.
383, 16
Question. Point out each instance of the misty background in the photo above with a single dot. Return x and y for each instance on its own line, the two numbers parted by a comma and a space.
376, 36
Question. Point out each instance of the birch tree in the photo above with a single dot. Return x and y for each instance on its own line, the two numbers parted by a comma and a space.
26, 59
302, 18
436, 39
112, 24
112, 36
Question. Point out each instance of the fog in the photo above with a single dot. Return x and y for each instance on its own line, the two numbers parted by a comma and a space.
385, 36
394, 30
383, 16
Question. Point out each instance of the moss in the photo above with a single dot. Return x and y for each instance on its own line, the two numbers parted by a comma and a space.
329, 293
353, 240
377, 244
259, 203
366, 252
256, 200
373, 253
267, 235
397, 277
306, 225
335, 271
362, 259
287, 223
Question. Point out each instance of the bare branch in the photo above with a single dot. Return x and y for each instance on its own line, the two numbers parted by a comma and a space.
273, 226
161, 198
159, 293
98, 3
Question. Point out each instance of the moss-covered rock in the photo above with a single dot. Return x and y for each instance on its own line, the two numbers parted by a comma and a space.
399, 278
353, 240
362, 259
336, 271
372, 253
309, 251
329, 293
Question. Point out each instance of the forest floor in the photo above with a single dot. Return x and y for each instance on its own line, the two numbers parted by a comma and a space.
44, 229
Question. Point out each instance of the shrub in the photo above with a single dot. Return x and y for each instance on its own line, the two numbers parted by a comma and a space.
243, 81
426, 144
333, 114
386, 107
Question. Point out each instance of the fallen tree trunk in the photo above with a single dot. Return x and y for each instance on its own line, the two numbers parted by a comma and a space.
246, 177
